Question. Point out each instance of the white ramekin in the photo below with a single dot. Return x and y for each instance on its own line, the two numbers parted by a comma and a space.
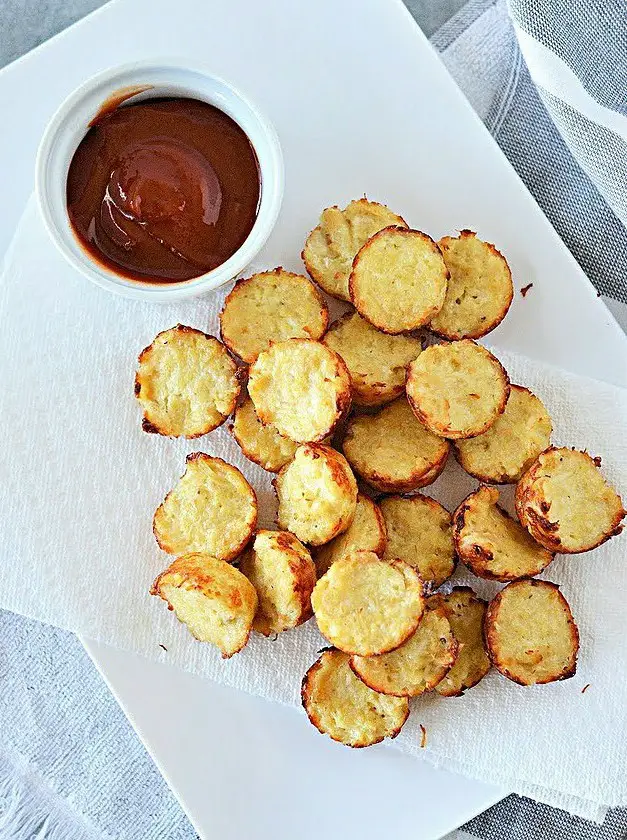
164, 78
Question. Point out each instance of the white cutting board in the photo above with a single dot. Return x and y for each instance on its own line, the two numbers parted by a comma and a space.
360, 102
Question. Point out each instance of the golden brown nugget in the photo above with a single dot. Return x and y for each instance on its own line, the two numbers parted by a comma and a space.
480, 288
365, 533
420, 532
341, 706
283, 574
457, 390
186, 382
398, 280
366, 606
261, 444
491, 543
212, 598
331, 246
317, 494
511, 444
212, 510
377, 362
530, 633
566, 504
300, 387
465, 612
269, 307
392, 450
418, 665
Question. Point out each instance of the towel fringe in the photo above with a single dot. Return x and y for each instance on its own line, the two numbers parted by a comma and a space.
30, 810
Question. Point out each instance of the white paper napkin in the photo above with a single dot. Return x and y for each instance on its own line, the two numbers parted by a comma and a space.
80, 482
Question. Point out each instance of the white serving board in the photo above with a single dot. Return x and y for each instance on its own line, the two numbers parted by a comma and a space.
361, 103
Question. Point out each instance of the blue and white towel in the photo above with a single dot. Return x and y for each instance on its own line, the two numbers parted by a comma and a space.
567, 58
549, 79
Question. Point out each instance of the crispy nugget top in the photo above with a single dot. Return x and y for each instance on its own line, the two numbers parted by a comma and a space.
282, 571
340, 705
392, 450
457, 390
317, 494
212, 598
212, 509
420, 532
511, 444
491, 543
399, 279
480, 288
261, 444
331, 246
530, 633
301, 387
418, 665
566, 504
186, 382
268, 307
365, 533
377, 362
465, 613
366, 606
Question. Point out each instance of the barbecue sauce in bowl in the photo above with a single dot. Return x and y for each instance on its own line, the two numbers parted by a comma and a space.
163, 190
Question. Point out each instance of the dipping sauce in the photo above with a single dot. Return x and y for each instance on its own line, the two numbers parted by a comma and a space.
163, 190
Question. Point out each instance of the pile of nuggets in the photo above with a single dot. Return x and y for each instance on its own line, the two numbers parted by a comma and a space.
355, 417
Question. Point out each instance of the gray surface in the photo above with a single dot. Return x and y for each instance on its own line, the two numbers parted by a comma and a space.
432, 14
26, 23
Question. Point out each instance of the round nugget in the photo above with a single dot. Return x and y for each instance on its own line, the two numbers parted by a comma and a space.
420, 532
416, 666
457, 390
269, 307
365, 533
480, 288
392, 450
212, 510
186, 382
366, 606
283, 574
465, 613
261, 444
331, 246
317, 494
212, 598
341, 706
377, 362
398, 280
301, 387
530, 632
512, 443
491, 543
566, 504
